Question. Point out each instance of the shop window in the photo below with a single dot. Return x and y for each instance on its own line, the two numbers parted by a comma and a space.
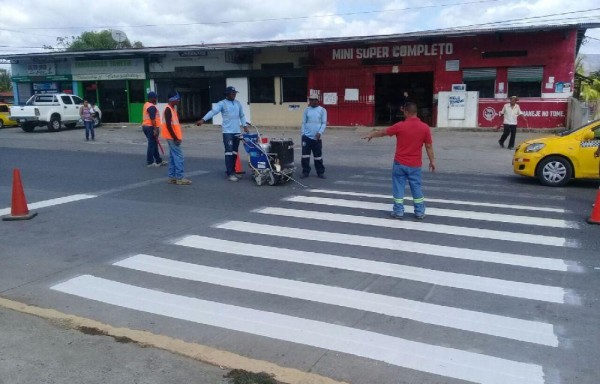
294, 89
482, 80
262, 90
136, 91
525, 81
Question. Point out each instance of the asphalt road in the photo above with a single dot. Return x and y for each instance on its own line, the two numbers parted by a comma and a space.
312, 283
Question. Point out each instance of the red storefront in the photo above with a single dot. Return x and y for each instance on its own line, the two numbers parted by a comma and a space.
360, 81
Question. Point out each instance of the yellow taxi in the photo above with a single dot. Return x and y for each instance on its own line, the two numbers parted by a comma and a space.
555, 160
4, 114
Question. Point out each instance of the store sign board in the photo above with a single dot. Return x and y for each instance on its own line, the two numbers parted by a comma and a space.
109, 76
394, 51
118, 66
41, 69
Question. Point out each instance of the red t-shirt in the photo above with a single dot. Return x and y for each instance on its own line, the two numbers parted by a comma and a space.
410, 134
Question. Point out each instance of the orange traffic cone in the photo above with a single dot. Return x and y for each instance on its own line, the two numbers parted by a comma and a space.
595, 217
238, 165
18, 209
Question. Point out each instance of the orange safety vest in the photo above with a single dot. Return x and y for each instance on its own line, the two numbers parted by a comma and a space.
146, 121
174, 124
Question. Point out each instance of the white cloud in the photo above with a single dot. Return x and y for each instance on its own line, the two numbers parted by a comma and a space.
246, 20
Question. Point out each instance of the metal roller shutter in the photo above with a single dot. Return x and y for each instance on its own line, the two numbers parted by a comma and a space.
525, 74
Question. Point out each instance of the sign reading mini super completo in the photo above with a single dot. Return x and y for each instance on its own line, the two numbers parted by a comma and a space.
383, 52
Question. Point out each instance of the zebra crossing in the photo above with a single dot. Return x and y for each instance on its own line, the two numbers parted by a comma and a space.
343, 230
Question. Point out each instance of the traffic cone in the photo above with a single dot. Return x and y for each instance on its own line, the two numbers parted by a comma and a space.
18, 209
238, 165
595, 217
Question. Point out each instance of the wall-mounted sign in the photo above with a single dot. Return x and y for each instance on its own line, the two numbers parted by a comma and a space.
193, 53
42, 69
452, 65
110, 76
459, 87
385, 52
330, 98
87, 67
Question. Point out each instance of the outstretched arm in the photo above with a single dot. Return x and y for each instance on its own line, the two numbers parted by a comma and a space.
375, 133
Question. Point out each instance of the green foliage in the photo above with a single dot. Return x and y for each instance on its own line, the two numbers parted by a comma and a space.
5, 83
92, 41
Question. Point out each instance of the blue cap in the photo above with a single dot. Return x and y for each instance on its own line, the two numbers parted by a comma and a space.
174, 96
152, 95
229, 90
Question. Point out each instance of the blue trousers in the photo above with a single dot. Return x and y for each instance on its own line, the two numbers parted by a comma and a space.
175, 160
89, 129
400, 175
316, 147
231, 142
152, 155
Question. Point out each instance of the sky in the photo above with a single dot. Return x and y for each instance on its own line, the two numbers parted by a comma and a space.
28, 25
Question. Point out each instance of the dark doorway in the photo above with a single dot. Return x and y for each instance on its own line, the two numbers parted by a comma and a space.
195, 96
389, 89
90, 91
113, 101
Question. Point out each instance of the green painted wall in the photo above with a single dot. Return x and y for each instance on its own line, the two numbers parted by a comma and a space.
135, 112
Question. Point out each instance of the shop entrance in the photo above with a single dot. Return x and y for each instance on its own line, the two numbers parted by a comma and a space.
389, 90
113, 101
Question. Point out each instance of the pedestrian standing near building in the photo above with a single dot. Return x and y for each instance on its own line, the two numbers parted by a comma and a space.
86, 112
314, 122
151, 128
172, 132
411, 135
510, 112
233, 117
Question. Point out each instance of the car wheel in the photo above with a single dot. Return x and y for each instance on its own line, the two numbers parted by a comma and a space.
1, 124
555, 171
97, 121
54, 124
27, 127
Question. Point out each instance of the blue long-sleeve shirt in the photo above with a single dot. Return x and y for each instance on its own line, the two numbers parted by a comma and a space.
314, 120
233, 115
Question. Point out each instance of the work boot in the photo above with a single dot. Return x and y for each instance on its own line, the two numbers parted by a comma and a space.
171, 180
183, 182
162, 164
233, 178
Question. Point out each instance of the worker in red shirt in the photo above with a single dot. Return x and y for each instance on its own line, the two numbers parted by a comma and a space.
411, 134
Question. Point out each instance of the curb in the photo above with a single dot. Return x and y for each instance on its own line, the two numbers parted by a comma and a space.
222, 359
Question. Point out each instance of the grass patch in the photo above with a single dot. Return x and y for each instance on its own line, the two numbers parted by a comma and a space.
239, 376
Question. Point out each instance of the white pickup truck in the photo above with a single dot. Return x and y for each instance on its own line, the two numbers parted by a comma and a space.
51, 110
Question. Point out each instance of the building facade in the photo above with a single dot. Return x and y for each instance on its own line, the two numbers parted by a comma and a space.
457, 78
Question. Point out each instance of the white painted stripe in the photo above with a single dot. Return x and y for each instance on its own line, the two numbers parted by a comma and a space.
447, 279
51, 202
449, 362
501, 326
472, 215
420, 226
464, 191
444, 201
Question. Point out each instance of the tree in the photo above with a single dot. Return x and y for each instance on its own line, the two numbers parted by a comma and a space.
5, 83
92, 41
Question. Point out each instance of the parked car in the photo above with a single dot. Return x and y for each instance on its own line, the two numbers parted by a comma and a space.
555, 160
5, 120
51, 110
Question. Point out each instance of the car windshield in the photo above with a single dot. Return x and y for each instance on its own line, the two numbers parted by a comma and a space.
569, 131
